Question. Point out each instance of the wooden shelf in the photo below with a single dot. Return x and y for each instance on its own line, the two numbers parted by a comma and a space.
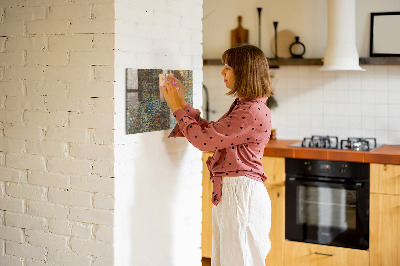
274, 63
380, 61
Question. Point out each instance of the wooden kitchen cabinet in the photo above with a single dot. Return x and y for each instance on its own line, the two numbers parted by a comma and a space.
274, 168
384, 237
206, 225
385, 178
277, 233
305, 254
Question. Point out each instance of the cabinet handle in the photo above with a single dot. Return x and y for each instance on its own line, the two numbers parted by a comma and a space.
324, 254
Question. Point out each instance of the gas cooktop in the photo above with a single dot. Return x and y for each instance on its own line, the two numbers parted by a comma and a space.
332, 142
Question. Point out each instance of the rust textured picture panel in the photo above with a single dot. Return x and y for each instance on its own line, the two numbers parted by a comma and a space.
146, 110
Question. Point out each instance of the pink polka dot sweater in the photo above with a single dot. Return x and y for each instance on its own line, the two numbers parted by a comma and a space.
238, 139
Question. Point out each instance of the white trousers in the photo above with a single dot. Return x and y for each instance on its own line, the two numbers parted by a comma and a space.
241, 223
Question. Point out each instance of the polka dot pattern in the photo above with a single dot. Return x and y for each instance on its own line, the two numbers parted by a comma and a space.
238, 139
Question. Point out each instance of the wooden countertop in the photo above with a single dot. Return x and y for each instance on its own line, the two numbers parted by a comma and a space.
389, 154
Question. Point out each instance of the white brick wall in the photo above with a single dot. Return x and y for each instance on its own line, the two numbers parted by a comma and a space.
156, 177
56, 132
62, 140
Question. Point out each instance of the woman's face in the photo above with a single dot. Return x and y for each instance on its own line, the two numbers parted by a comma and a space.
229, 76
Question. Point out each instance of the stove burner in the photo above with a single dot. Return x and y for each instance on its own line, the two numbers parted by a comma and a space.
358, 144
328, 142
332, 142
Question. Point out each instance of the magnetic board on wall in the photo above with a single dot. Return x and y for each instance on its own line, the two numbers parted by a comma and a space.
145, 109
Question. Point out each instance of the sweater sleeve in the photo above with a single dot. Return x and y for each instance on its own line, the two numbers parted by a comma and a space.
193, 113
231, 130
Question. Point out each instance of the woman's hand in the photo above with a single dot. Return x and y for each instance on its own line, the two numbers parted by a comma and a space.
181, 90
172, 96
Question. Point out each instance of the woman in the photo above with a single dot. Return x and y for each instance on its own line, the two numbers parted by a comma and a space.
242, 211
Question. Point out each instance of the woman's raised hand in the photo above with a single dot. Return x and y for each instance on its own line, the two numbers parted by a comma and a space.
173, 96
181, 90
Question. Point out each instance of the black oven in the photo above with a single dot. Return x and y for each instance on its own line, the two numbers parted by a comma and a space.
327, 202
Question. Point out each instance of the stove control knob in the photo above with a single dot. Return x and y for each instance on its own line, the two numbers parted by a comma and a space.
343, 168
308, 166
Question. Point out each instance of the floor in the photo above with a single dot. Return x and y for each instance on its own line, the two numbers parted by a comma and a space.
206, 261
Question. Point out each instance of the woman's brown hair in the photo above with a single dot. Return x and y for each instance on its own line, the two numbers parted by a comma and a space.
250, 66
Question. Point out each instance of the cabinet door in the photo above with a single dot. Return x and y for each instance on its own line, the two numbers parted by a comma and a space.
274, 168
206, 226
385, 178
277, 233
304, 254
384, 230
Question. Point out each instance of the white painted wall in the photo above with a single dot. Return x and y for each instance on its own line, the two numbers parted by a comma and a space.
158, 180
56, 132
305, 18
345, 103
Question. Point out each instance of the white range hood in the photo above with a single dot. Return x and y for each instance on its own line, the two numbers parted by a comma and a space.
341, 51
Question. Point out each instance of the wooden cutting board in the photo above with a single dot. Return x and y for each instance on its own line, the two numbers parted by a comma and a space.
239, 35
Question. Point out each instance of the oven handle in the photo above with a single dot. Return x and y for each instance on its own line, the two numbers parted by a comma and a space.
324, 254
357, 185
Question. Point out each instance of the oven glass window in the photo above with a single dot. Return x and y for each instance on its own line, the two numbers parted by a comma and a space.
326, 207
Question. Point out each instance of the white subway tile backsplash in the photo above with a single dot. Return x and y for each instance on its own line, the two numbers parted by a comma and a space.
367, 97
355, 132
342, 109
329, 109
316, 82
354, 83
355, 96
304, 72
293, 120
381, 110
381, 97
393, 71
304, 82
394, 137
381, 122
380, 71
394, 82
342, 96
292, 82
304, 95
329, 122
394, 110
367, 110
394, 123
368, 123
394, 97
355, 122
381, 136
347, 103
329, 94
355, 109
342, 81
291, 71
328, 74
381, 84
342, 122
342, 133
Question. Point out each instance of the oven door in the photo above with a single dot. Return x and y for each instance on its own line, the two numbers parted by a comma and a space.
327, 213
